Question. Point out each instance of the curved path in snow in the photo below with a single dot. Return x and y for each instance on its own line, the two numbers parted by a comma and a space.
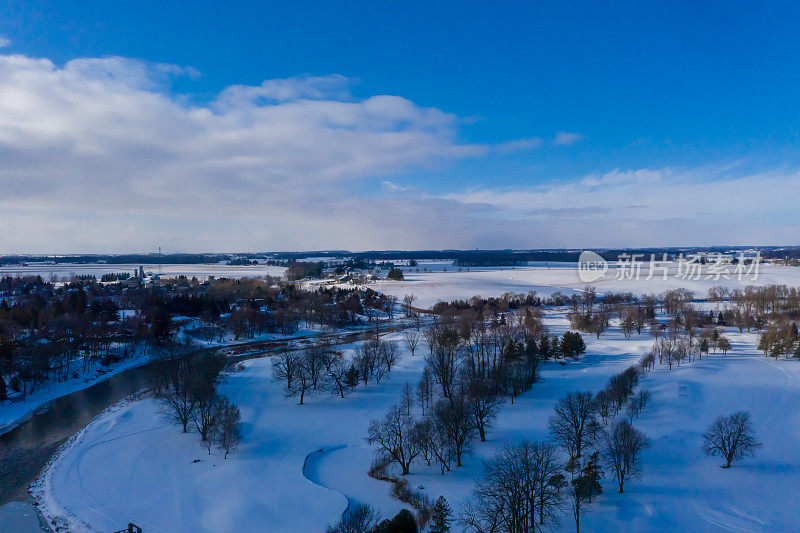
311, 473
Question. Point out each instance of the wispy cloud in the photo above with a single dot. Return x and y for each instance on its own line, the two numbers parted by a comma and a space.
564, 138
518, 145
4, 42
334, 88
653, 206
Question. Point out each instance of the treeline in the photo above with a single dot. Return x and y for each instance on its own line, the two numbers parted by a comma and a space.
115, 276
509, 301
745, 309
315, 269
773, 310
178, 259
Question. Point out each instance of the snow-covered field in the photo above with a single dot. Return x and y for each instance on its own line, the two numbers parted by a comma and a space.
201, 271
430, 287
131, 465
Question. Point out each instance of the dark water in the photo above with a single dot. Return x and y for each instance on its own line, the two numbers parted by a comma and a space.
26, 449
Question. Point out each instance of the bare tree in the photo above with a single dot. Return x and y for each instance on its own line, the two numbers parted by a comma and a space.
573, 424
228, 431
302, 381
394, 436
732, 437
623, 445
174, 386
637, 404
483, 405
548, 483
445, 359
411, 336
598, 324
206, 413
521, 491
407, 399
337, 376
425, 389
408, 302
364, 360
285, 365
602, 404
389, 354
391, 303
315, 360
434, 443
453, 419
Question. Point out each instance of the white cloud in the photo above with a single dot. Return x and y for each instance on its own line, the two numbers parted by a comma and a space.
4, 42
102, 140
98, 156
563, 138
648, 207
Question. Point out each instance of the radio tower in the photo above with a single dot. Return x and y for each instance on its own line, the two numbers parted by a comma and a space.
160, 261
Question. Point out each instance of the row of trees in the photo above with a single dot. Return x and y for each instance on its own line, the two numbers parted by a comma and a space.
527, 486
780, 338
751, 307
320, 367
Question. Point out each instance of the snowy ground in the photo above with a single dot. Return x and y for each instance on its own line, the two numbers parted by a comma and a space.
430, 287
130, 465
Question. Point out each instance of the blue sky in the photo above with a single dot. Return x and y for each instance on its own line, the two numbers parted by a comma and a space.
532, 100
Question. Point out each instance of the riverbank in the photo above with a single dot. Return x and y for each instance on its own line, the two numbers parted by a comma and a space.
12, 414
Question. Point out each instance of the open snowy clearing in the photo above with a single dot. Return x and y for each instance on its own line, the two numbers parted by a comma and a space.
430, 287
131, 465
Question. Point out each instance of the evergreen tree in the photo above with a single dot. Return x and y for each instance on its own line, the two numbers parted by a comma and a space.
441, 517
544, 347
591, 476
704, 346
572, 344
395, 274
403, 522
351, 377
